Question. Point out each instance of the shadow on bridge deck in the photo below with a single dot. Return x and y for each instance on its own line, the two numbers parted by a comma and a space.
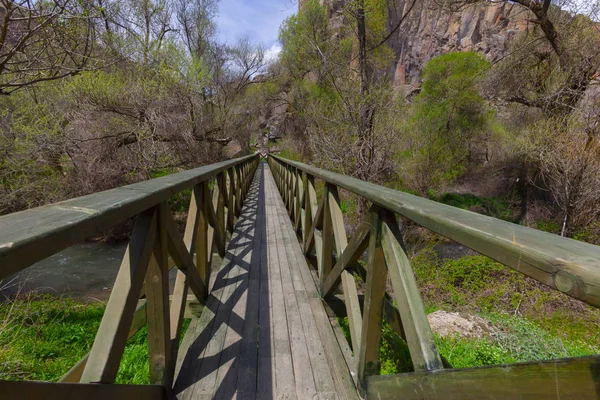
258, 336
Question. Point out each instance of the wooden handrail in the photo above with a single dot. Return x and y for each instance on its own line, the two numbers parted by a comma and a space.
32, 235
155, 245
567, 265
571, 266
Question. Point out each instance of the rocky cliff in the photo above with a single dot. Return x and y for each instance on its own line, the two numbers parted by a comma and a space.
431, 30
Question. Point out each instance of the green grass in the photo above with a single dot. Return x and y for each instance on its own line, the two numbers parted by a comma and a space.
531, 322
489, 206
42, 338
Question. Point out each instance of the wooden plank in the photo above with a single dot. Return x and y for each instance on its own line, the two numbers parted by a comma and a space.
110, 340
345, 348
157, 305
213, 355
305, 384
335, 359
76, 391
32, 235
220, 209
345, 258
177, 314
306, 214
368, 352
194, 344
248, 355
304, 287
419, 337
284, 380
570, 266
239, 191
575, 378
242, 326
203, 245
266, 374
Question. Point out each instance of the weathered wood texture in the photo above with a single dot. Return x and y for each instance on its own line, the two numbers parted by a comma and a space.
32, 235
576, 378
264, 332
78, 391
570, 266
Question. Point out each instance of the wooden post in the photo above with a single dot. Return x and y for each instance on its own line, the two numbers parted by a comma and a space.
347, 279
107, 350
419, 337
327, 250
368, 354
157, 305
203, 242
231, 200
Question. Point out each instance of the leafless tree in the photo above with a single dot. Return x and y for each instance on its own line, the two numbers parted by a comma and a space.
44, 40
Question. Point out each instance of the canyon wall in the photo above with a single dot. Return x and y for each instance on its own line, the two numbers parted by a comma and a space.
431, 30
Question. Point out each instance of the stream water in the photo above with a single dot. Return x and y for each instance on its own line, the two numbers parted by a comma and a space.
87, 271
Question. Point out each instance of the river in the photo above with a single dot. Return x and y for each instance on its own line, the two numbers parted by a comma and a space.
85, 271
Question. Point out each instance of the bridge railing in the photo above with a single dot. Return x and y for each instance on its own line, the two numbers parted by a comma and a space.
569, 266
155, 246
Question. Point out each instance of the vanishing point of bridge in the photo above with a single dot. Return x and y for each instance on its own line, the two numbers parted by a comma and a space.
264, 269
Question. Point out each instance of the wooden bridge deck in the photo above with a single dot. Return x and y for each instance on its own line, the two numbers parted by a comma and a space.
264, 333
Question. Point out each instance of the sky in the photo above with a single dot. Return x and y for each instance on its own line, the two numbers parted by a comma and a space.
257, 19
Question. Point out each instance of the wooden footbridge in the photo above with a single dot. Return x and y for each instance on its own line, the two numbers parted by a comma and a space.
263, 266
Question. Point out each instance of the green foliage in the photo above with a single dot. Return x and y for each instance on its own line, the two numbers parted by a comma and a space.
394, 356
32, 161
179, 202
449, 119
489, 206
42, 338
547, 226
303, 37
464, 353
589, 233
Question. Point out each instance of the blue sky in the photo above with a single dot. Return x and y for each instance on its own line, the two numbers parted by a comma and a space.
257, 19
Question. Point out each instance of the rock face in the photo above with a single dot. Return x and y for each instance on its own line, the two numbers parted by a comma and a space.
430, 31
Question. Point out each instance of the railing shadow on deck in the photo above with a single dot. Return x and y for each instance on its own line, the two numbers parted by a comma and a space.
248, 239
140, 295
566, 265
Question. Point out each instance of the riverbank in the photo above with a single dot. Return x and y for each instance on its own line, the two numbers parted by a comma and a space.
41, 338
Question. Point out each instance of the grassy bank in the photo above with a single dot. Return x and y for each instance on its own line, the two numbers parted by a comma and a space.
531, 322
42, 338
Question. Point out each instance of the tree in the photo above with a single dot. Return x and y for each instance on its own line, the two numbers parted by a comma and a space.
553, 64
567, 163
43, 41
450, 120
334, 90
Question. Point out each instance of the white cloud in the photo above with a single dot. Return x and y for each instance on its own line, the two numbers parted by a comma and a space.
272, 53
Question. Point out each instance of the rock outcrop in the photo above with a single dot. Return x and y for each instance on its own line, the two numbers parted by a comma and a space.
430, 30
